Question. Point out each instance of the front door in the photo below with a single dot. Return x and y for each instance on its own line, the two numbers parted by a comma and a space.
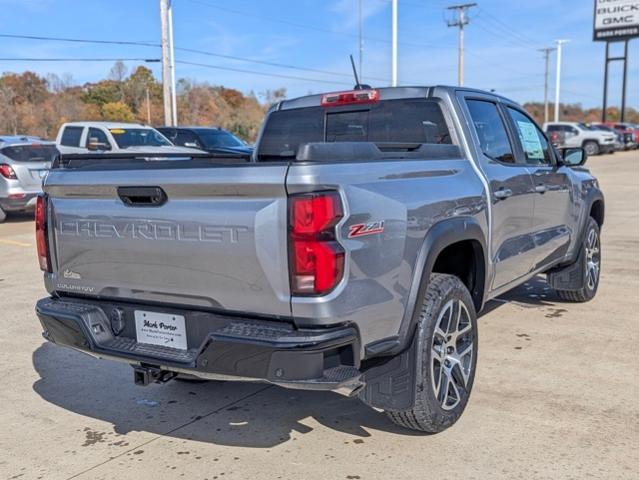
551, 219
511, 193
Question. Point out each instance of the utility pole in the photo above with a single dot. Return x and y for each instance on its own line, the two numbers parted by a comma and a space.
172, 67
166, 74
559, 43
361, 43
148, 106
546, 51
394, 45
461, 22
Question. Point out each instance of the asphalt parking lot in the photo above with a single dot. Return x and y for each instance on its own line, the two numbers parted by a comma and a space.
556, 393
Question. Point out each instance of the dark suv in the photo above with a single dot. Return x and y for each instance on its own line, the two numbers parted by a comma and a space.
211, 139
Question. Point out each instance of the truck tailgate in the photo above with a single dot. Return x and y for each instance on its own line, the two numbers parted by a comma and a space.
218, 241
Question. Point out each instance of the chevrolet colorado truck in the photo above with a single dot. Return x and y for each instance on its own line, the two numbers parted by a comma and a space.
352, 252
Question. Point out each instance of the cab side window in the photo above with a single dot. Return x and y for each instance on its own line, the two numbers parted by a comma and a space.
185, 137
491, 130
533, 142
71, 136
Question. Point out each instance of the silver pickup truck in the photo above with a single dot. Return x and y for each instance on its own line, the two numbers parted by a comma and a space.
351, 253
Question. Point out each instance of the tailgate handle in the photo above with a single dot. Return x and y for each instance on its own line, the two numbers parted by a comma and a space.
142, 196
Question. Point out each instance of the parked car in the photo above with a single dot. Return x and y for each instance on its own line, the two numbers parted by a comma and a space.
210, 139
352, 253
620, 140
84, 137
24, 161
628, 132
577, 134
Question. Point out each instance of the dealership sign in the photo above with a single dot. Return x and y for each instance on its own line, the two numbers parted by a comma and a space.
616, 20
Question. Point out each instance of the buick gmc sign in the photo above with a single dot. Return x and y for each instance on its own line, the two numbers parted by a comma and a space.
616, 20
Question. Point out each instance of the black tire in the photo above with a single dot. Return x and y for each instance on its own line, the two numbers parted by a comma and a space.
3, 215
432, 411
592, 148
589, 286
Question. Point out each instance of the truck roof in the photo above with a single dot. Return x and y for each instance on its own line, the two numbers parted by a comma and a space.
387, 93
107, 125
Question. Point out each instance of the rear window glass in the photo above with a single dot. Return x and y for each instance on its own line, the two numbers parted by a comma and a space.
71, 136
390, 121
30, 153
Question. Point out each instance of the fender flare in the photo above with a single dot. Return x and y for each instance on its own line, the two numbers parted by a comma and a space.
438, 237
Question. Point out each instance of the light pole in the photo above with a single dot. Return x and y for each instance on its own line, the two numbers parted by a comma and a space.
166, 74
394, 45
559, 43
172, 67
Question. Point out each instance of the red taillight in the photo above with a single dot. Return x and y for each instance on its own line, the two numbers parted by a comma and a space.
41, 233
352, 97
7, 172
316, 258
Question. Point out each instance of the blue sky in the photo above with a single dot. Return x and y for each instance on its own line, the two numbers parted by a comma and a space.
502, 42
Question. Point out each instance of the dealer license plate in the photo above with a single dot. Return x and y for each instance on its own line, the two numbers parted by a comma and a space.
162, 329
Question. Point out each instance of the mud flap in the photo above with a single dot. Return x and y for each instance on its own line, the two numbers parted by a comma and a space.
571, 277
390, 385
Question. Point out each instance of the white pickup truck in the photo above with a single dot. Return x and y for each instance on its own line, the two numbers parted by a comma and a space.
87, 137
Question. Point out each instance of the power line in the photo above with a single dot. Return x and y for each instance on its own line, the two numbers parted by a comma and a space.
304, 26
506, 28
183, 49
114, 59
253, 72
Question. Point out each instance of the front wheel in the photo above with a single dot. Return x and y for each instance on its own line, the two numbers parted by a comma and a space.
447, 336
591, 148
589, 261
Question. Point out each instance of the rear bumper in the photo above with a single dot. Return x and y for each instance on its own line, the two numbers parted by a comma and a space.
219, 347
18, 202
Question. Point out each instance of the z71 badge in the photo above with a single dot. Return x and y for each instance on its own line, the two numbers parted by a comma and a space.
362, 229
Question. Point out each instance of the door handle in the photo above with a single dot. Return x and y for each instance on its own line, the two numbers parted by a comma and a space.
503, 193
142, 196
541, 189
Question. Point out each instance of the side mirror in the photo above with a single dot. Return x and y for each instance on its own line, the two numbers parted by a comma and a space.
573, 157
96, 146
191, 145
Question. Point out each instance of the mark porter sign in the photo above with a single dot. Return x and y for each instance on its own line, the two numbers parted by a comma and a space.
616, 20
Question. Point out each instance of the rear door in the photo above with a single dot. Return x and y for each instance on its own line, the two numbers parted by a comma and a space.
551, 224
511, 190
215, 239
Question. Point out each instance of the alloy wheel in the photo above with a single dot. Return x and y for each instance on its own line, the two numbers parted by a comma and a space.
452, 352
593, 259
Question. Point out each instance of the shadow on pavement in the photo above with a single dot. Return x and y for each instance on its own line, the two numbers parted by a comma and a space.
532, 294
263, 417
20, 217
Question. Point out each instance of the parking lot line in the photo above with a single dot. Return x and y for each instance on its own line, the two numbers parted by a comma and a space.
14, 242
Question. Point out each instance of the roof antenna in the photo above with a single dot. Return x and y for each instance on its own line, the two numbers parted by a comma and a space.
358, 86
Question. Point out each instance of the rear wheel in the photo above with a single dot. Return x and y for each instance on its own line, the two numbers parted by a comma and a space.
591, 148
447, 332
590, 263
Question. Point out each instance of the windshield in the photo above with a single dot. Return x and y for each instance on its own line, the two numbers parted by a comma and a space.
30, 153
218, 138
411, 120
138, 137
